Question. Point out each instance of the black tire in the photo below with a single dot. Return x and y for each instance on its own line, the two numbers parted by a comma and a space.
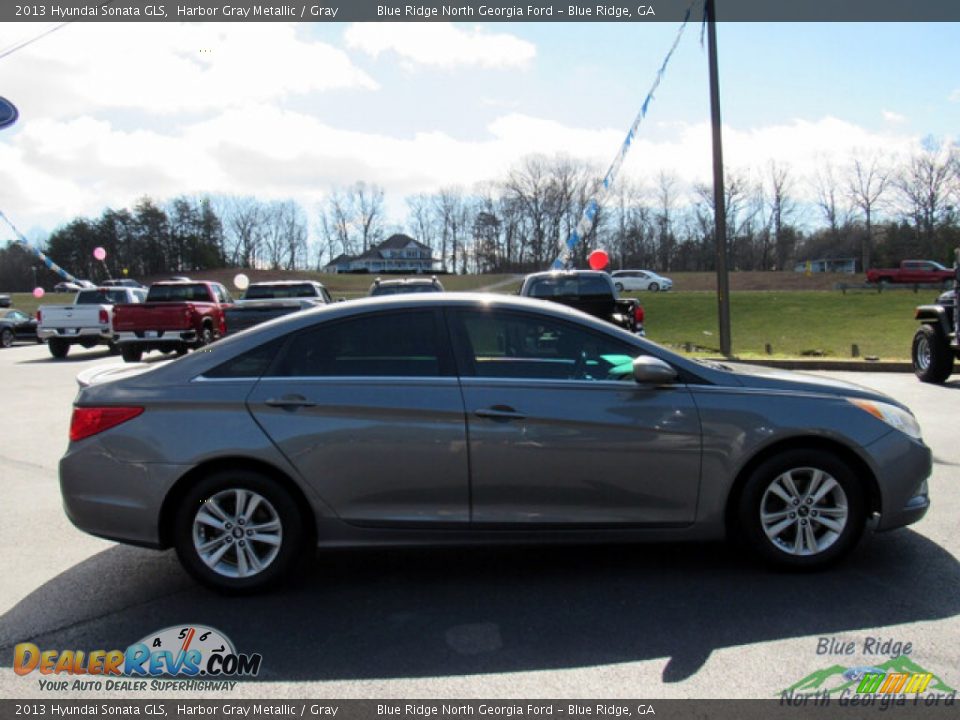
653, 287
207, 335
113, 348
827, 544
931, 355
58, 348
618, 286
180, 350
131, 353
7, 337
276, 505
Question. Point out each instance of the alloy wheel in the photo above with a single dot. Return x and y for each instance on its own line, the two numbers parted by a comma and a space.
237, 533
804, 511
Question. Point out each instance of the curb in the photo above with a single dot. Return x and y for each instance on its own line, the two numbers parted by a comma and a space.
848, 365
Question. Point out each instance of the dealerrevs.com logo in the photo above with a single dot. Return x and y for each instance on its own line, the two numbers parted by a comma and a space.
203, 655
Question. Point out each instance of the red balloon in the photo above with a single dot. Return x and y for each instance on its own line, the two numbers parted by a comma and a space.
599, 259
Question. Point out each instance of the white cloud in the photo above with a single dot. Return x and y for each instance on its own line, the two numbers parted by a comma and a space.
55, 169
954, 96
440, 44
165, 68
892, 117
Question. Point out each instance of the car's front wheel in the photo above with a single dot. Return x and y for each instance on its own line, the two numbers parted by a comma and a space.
653, 287
6, 337
238, 531
802, 509
619, 286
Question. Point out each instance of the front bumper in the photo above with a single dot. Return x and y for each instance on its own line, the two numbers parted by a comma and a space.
902, 467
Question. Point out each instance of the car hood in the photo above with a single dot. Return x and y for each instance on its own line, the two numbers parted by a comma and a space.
766, 378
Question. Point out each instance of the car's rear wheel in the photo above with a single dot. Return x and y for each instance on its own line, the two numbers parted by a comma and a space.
131, 353
58, 348
932, 356
802, 509
238, 531
6, 337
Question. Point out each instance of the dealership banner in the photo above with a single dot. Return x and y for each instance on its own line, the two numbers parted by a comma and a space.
481, 709
474, 11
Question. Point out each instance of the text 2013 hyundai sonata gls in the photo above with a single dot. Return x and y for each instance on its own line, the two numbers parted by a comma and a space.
455, 418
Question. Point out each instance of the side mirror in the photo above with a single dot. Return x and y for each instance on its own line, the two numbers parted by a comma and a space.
652, 371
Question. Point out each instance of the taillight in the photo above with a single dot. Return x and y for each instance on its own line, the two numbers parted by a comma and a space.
87, 421
638, 314
104, 317
39, 316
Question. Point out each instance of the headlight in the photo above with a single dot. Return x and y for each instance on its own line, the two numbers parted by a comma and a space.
895, 417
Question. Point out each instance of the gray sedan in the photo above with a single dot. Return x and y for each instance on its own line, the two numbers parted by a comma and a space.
456, 418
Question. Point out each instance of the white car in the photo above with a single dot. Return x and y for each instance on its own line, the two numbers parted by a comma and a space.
640, 280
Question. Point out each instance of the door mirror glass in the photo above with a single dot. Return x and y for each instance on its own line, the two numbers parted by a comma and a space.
652, 371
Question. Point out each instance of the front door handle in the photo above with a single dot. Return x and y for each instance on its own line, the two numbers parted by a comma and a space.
290, 401
500, 412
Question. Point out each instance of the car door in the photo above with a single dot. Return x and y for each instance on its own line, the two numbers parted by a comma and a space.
368, 409
560, 434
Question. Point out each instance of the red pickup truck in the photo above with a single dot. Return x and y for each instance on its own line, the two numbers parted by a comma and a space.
175, 317
911, 272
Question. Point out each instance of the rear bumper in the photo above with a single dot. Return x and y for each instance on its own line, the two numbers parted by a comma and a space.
95, 502
158, 338
75, 335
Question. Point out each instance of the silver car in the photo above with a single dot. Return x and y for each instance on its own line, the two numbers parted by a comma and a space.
457, 418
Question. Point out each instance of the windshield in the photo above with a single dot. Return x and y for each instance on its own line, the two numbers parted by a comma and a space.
178, 293
271, 292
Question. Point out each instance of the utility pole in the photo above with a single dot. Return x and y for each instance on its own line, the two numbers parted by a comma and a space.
719, 204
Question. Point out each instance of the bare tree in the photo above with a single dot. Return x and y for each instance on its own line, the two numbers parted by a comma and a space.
244, 218
928, 185
367, 204
867, 181
782, 206
829, 196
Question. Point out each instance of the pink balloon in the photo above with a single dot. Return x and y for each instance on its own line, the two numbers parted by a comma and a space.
99, 253
599, 259
38, 292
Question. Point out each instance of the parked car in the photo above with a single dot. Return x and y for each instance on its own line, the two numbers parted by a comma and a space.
590, 291
911, 271
126, 282
88, 321
16, 326
640, 280
175, 317
268, 300
66, 287
405, 285
4, 301
937, 342
471, 418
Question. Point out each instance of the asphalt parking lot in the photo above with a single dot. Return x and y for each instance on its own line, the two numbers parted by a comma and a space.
654, 621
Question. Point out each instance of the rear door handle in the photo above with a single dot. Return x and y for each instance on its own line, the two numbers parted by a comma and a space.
290, 401
500, 412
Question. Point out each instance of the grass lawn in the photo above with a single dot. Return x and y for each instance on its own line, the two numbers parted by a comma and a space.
791, 322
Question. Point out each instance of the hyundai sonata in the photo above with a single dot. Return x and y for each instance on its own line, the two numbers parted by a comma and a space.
457, 418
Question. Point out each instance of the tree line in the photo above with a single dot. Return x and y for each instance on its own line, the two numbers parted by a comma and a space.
877, 209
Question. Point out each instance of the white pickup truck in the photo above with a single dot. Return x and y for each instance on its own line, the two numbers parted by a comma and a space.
87, 322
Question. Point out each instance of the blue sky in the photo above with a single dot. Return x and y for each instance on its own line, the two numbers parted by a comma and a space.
110, 112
